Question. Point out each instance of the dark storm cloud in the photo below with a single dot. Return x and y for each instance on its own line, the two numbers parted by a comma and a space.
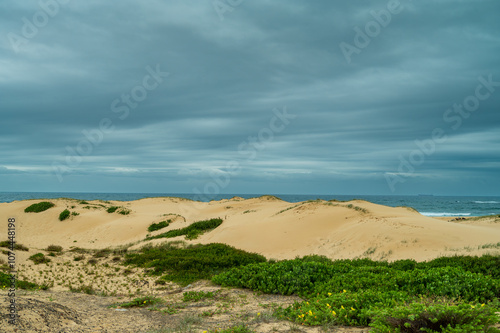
357, 116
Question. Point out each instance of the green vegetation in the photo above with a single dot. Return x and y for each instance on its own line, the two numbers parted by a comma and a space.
89, 290
21, 284
196, 296
141, 302
124, 211
192, 231
158, 226
17, 246
192, 263
234, 329
64, 215
436, 317
459, 294
39, 258
121, 210
104, 253
39, 207
112, 209
54, 248
357, 208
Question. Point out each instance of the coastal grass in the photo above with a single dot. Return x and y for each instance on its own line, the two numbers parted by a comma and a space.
192, 231
39, 207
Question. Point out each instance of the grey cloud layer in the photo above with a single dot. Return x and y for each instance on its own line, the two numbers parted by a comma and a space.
354, 120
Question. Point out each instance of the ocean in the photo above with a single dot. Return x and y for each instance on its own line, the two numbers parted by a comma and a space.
426, 205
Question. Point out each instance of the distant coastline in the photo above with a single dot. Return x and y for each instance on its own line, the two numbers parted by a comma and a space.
429, 205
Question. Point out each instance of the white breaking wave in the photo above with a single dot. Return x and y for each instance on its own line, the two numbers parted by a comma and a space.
486, 202
445, 214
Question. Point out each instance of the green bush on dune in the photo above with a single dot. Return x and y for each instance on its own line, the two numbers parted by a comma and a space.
158, 226
39, 207
64, 215
112, 209
192, 263
192, 231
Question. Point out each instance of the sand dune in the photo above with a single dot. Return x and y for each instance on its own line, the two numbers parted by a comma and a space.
266, 225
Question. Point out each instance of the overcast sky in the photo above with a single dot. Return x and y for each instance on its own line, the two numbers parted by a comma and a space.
260, 96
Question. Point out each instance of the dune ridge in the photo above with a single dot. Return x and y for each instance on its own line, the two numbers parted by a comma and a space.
266, 225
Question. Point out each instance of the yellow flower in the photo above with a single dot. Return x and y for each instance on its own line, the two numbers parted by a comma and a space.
334, 313
352, 309
310, 313
328, 305
307, 303
329, 294
144, 302
482, 304
342, 307
205, 332
345, 290
258, 313
472, 306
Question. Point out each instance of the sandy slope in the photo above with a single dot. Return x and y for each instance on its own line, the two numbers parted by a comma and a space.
267, 225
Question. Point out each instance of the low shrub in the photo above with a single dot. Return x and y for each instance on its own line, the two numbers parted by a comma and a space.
39, 207
350, 292
341, 308
192, 231
54, 248
5, 282
17, 246
112, 209
64, 215
104, 253
435, 317
486, 264
158, 226
39, 258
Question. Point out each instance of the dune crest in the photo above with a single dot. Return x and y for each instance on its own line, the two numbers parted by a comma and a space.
266, 225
